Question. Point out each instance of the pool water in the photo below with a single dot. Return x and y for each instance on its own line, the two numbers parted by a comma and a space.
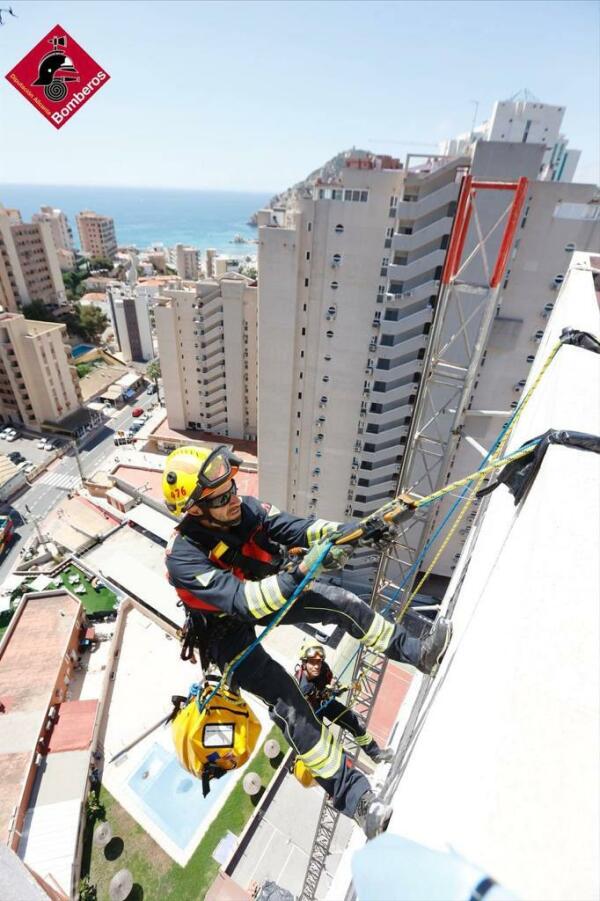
171, 797
80, 349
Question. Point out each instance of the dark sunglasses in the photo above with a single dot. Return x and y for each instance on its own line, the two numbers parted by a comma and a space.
222, 500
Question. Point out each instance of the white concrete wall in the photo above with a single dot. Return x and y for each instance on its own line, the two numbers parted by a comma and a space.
504, 769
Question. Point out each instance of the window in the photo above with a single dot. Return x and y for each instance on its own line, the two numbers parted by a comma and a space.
337, 259
334, 286
306, 283
329, 334
327, 358
347, 195
364, 196
309, 226
299, 395
339, 229
308, 254
325, 378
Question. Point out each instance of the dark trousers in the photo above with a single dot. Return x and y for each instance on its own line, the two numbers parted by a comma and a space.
339, 715
264, 677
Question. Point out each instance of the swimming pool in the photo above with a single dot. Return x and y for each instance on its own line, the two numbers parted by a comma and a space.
80, 349
171, 797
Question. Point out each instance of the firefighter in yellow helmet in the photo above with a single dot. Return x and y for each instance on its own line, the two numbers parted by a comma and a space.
225, 562
315, 678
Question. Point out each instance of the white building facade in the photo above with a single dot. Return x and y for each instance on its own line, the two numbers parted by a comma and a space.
130, 316
207, 343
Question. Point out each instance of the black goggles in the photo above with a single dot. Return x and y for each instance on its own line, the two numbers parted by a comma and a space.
218, 468
222, 500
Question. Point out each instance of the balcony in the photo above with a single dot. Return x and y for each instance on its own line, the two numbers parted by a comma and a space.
428, 288
406, 271
401, 350
431, 232
417, 209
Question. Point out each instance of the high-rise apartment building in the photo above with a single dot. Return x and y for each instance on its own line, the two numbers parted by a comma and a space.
62, 234
524, 122
207, 342
29, 267
335, 389
349, 281
185, 261
130, 315
97, 234
38, 383
211, 255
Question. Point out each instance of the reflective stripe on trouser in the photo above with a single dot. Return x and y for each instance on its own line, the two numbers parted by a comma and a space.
363, 740
330, 605
379, 635
290, 710
325, 758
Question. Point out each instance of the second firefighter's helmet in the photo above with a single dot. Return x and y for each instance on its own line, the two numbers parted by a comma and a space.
311, 649
194, 473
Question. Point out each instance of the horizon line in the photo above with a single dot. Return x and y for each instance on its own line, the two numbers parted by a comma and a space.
34, 184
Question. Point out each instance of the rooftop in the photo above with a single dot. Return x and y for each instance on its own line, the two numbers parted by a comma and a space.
31, 655
76, 522
135, 564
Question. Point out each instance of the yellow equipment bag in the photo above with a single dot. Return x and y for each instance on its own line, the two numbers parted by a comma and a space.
213, 739
303, 774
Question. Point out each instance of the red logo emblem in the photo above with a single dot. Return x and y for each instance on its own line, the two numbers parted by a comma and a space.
58, 76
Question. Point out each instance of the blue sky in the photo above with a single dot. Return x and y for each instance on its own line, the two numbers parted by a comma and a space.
254, 95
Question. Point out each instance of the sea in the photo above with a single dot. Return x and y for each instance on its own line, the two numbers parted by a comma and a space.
147, 216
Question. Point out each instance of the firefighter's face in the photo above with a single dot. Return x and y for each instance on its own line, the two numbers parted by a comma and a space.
230, 514
313, 666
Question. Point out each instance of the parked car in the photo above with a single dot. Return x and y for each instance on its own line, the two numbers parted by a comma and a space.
4, 432
12, 435
51, 445
135, 427
151, 389
29, 466
42, 444
137, 411
16, 457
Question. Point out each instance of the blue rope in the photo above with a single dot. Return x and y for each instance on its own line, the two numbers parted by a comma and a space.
274, 622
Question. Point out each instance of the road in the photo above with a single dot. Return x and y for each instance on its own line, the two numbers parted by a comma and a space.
62, 477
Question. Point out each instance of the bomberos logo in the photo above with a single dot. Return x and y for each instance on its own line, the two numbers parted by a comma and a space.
58, 79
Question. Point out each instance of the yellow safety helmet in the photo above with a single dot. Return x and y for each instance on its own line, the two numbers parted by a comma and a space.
193, 473
311, 649
219, 737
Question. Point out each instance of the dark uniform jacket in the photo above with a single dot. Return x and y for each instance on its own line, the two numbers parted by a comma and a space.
237, 571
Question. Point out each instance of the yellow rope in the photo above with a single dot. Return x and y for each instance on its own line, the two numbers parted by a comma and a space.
479, 477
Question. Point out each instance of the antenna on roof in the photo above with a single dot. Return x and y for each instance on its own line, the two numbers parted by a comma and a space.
525, 95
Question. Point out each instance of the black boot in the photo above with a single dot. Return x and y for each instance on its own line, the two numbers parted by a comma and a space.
377, 754
372, 816
434, 646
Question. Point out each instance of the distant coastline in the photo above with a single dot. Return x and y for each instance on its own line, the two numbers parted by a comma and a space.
144, 216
